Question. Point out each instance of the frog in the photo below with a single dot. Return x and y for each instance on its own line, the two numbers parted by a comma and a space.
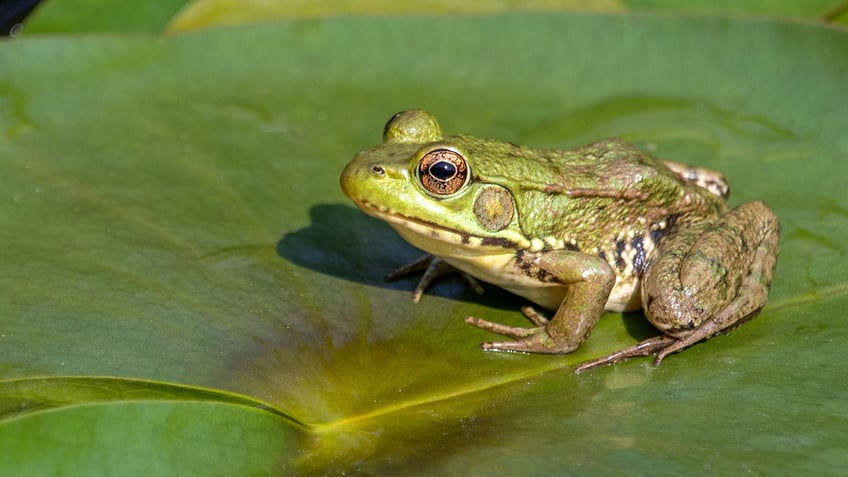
603, 227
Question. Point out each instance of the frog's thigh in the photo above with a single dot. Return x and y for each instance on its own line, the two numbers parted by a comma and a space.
706, 277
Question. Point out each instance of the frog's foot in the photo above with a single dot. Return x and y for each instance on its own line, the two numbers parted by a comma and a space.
712, 181
527, 340
657, 344
433, 268
741, 309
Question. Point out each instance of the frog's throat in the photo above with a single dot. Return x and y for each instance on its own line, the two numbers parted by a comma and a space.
439, 240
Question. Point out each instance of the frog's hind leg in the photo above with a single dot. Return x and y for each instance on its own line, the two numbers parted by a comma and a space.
706, 278
712, 276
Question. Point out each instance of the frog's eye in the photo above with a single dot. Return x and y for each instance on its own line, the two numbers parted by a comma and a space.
442, 172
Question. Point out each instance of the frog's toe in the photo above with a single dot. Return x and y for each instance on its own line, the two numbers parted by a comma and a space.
534, 316
516, 332
526, 340
421, 264
657, 344
433, 268
675, 346
538, 342
472, 283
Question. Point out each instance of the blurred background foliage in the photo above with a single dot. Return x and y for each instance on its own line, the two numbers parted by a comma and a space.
81, 16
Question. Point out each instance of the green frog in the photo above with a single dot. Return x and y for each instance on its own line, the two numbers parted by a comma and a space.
601, 227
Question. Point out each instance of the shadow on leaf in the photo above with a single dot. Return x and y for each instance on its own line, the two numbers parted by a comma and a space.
371, 250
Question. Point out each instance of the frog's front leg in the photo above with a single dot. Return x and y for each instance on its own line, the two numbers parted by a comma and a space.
704, 279
587, 281
433, 268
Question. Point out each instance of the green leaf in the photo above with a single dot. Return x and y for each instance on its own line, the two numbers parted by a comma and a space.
171, 213
20, 397
136, 434
805, 9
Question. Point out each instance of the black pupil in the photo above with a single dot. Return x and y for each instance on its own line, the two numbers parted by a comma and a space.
443, 170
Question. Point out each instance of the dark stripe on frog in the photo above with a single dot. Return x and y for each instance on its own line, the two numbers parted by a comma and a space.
436, 230
620, 247
526, 262
718, 185
639, 258
566, 246
496, 242
658, 233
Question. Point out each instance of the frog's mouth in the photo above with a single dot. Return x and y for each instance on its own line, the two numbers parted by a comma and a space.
437, 239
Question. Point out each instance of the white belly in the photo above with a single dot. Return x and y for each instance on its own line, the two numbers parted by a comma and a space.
498, 270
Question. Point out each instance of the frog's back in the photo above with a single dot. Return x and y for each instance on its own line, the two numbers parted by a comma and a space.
608, 198
602, 174
610, 164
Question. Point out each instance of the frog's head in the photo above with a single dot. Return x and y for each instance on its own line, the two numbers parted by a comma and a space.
425, 185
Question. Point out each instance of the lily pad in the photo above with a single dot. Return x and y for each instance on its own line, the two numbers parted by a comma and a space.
172, 215
110, 426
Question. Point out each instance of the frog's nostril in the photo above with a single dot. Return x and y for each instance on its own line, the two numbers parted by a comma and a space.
378, 170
